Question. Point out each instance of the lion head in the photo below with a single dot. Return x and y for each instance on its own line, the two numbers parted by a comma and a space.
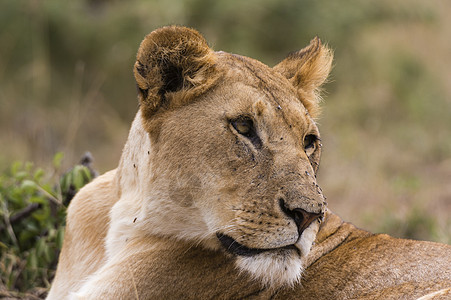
224, 153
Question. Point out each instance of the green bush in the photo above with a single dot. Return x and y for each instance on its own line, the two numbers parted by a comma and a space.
32, 221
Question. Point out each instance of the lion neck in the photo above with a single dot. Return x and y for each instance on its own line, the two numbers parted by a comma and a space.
130, 184
131, 169
333, 232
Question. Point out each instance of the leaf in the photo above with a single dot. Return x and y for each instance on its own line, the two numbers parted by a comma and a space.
60, 237
37, 199
77, 177
40, 245
66, 181
57, 160
38, 175
41, 215
32, 260
21, 175
29, 186
48, 254
15, 167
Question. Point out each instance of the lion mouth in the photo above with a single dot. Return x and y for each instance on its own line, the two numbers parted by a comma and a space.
233, 247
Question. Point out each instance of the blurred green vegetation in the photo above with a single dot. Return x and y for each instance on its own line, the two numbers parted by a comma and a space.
66, 84
32, 221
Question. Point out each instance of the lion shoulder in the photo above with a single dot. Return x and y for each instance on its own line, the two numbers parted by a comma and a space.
86, 227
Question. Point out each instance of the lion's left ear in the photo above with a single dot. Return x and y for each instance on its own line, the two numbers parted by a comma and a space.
307, 70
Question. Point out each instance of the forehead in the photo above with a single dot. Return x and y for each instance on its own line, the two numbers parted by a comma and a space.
248, 82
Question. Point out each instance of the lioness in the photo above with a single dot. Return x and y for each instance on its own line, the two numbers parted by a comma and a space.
215, 196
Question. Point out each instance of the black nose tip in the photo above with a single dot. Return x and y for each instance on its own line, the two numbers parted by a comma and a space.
301, 217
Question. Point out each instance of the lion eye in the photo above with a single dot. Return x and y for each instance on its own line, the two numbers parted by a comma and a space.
309, 142
243, 126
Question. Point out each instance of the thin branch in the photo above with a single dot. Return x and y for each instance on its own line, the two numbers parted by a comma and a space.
50, 196
24, 213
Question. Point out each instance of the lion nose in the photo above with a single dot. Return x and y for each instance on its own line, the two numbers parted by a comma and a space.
301, 217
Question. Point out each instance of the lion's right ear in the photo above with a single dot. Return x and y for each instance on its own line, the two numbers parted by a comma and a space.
173, 65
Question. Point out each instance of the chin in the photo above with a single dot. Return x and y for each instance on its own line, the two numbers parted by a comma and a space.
274, 269
282, 266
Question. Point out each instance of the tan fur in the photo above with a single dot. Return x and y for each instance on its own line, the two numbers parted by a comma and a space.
188, 177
